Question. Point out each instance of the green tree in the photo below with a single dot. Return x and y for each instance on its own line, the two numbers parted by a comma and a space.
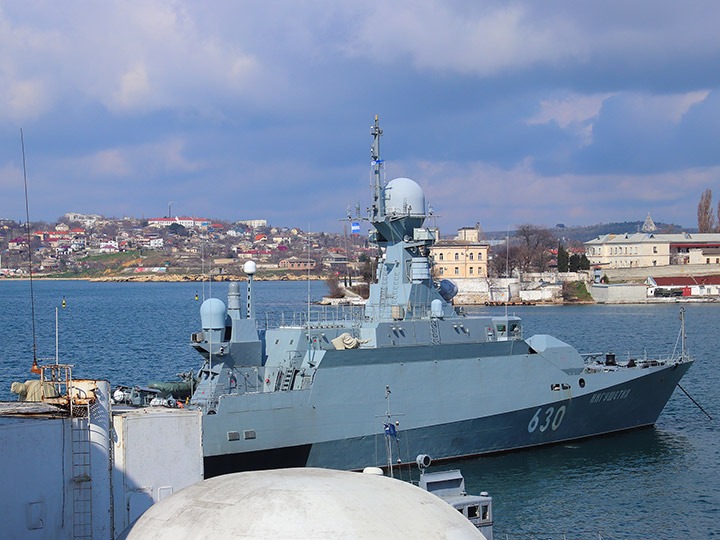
178, 229
574, 262
562, 259
584, 262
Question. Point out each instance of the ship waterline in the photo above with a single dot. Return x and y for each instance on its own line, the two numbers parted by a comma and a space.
325, 434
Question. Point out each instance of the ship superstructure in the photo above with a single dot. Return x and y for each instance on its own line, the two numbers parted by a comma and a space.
310, 392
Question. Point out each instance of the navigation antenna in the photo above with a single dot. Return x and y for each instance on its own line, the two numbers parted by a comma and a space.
35, 368
390, 430
378, 206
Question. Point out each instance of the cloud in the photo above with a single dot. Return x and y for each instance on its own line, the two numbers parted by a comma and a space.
23, 99
465, 193
133, 164
505, 111
483, 40
128, 56
10, 176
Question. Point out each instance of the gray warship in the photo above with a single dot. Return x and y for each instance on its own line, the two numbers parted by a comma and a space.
310, 393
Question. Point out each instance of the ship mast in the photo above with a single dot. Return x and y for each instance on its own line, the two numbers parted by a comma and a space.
378, 206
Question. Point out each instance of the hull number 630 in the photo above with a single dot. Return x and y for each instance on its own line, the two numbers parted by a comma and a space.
547, 418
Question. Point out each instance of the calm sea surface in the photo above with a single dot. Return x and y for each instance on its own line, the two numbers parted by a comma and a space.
662, 482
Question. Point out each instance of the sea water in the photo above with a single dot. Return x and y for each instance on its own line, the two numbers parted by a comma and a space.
661, 482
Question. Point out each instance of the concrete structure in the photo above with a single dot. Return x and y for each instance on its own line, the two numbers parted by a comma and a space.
302, 503
88, 475
623, 293
651, 250
463, 257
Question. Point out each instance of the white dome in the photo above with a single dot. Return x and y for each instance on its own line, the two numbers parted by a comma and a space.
404, 196
212, 314
301, 503
250, 267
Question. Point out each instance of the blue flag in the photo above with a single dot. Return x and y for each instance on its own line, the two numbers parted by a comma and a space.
390, 430
355, 228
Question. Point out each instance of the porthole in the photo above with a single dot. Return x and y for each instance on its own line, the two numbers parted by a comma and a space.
582, 383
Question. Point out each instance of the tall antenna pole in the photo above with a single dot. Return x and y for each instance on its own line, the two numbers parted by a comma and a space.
308, 293
57, 342
27, 230
378, 207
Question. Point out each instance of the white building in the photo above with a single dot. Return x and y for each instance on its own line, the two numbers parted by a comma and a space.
254, 223
650, 249
187, 222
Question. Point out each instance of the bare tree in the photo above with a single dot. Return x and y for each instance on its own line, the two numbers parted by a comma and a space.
706, 218
503, 260
534, 247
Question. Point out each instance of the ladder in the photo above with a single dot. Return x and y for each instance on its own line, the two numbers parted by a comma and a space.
81, 478
287, 378
383, 291
434, 332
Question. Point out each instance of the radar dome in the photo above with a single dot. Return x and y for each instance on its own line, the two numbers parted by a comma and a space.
404, 196
212, 314
301, 503
250, 267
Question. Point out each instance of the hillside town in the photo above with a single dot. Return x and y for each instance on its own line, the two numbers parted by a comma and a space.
534, 264
91, 246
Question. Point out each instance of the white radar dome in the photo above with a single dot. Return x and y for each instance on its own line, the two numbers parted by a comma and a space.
250, 267
404, 196
212, 314
301, 503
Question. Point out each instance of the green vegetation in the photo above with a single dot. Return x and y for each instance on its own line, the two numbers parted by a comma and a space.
575, 291
562, 259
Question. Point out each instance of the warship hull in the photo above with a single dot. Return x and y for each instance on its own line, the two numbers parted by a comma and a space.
306, 428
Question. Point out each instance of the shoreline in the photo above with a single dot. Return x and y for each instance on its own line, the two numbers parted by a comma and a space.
168, 278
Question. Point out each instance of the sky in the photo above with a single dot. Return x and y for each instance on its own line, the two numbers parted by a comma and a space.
505, 112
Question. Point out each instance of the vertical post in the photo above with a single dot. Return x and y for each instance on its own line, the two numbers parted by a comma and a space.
57, 348
100, 464
378, 208
250, 268
249, 311
682, 332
